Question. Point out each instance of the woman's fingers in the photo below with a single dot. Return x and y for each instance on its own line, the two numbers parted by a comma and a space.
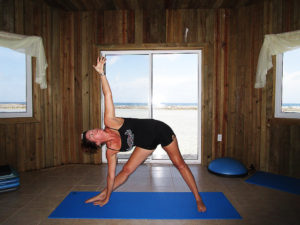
101, 60
93, 199
89, 200
100, 203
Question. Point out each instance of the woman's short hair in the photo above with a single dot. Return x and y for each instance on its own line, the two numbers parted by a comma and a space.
87, 145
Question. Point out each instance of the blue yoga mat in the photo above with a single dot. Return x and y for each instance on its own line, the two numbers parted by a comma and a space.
11, 185
274, 181
146, 205
9, 181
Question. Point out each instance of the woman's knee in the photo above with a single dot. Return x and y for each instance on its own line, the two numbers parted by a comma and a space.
127, 170
180, 164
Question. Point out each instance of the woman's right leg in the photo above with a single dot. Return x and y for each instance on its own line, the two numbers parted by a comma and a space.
138, 156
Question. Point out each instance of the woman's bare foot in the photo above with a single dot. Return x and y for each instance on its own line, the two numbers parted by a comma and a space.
201, 206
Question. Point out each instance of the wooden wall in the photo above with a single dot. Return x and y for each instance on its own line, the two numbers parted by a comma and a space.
231, 106
71, 102
253, 135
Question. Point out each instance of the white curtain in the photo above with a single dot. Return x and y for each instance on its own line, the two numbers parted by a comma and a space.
274, 44
31, 45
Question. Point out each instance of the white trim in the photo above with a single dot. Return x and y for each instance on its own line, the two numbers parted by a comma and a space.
278, 92
29, 108
151, 52
29, 89
150, 100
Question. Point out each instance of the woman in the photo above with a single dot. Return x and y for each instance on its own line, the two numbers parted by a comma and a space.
122, 134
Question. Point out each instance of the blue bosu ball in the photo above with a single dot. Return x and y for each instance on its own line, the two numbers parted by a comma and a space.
227, 167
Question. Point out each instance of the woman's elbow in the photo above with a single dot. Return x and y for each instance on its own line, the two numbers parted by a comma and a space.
107, 94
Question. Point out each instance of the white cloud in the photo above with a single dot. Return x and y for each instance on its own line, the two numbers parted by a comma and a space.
291, 76
129, 90
166, 57
112, 60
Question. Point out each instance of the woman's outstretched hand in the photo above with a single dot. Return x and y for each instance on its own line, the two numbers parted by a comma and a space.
102, 202
100, 64
96, 198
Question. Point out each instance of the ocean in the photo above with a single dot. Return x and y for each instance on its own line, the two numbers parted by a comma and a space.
19, 103
160, 105
167, 104
291, 104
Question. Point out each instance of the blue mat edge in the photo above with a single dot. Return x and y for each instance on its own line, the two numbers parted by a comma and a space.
127, 218
248, 180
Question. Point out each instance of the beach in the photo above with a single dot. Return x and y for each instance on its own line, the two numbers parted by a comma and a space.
12, 107
295, 109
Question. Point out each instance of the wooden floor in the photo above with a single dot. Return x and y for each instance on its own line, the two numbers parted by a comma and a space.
41, 191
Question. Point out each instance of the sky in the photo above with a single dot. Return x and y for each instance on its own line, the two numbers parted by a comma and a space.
291, 77
12, 76
174, 78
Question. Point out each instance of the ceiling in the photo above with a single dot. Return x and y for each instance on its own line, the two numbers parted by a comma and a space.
87, 5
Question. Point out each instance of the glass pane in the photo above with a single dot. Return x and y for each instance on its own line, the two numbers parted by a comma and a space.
128, 76
175, 99
291, 81
12, 81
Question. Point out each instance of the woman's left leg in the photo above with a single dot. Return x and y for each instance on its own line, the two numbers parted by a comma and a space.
176, 157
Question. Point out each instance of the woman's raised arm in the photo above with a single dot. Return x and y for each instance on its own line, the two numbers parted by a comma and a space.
109, 111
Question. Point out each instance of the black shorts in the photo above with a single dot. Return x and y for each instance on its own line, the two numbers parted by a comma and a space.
146, 133
165, 134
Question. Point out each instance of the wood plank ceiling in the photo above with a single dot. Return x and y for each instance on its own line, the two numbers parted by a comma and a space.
87, 5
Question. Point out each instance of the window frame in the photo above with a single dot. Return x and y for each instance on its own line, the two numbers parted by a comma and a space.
198, 50
278, 92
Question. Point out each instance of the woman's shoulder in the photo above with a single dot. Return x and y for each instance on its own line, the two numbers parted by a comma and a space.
115, 122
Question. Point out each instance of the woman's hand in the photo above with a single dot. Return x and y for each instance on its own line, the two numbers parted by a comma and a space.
99, 197
102, 202
100, 64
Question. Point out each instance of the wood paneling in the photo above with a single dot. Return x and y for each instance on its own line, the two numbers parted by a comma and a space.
231, 40
54, 137
259, 139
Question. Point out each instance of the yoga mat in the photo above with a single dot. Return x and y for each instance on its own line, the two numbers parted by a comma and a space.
146, 205
7, 172
9, 181
274, 181
9, 189
10, 185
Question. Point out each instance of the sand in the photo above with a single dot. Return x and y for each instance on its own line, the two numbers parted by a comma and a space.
12, 107
183, 121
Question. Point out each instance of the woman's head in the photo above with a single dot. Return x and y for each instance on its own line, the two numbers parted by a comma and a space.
91, 140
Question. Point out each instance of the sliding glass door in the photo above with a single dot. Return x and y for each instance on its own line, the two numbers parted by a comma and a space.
163, 85
175, 99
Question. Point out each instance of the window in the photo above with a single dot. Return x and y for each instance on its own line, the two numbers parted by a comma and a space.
159, 84
15, 84
287, 94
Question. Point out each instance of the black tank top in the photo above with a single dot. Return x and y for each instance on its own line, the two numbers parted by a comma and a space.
138, 132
